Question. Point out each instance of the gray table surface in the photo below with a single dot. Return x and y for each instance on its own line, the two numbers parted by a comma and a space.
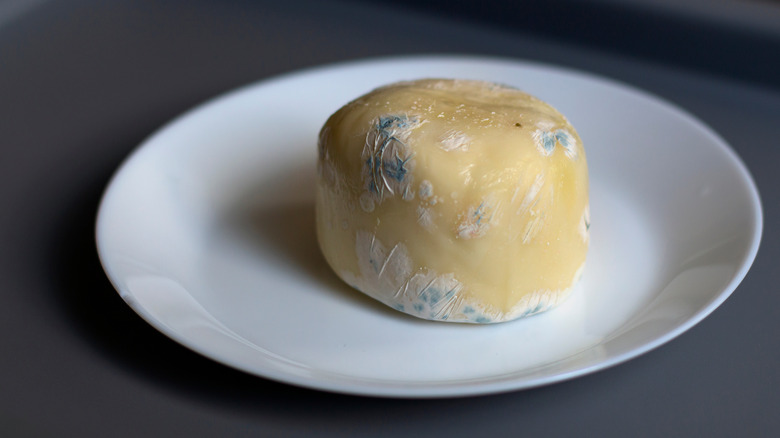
83, 82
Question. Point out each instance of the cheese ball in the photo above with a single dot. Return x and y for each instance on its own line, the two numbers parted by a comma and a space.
453, 200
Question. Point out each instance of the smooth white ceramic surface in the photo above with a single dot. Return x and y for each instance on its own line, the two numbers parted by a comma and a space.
207, 231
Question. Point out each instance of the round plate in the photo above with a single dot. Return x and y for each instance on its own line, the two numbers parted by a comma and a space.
207, 231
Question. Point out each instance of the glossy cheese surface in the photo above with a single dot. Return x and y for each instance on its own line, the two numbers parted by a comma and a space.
454, 200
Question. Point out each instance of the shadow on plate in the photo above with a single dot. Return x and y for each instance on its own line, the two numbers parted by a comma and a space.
283, 229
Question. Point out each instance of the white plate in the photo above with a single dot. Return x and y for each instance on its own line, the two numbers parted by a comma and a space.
207, 231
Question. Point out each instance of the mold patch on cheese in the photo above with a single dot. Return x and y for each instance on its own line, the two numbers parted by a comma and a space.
387, 157
585, 224
454, 200
547, 140
476, 221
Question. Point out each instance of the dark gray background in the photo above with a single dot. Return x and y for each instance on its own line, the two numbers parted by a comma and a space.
83, 82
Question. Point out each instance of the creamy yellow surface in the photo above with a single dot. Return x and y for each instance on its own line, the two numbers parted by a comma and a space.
453, 200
